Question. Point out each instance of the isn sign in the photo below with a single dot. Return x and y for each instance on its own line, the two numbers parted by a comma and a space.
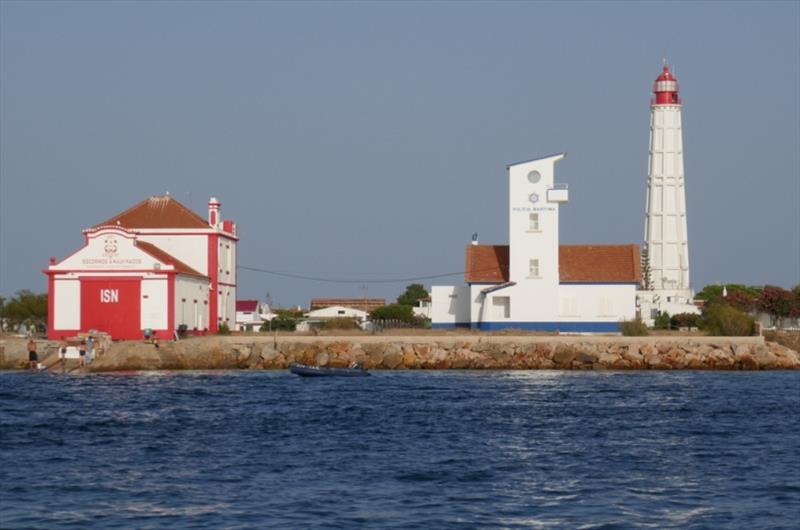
109, 296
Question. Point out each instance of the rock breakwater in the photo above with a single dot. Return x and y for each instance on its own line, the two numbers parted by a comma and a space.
467, 352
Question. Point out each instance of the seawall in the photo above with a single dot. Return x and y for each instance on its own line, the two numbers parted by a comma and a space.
478, 352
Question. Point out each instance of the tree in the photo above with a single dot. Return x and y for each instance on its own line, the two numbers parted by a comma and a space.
662, 321
685, 320
647, 272
413, 294
741, 300
713, 291
778, 303
393, 312
795, 312
724, 320
26, 308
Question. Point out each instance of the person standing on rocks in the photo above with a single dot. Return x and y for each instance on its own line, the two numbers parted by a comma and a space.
33, 357
62, 354
82, 354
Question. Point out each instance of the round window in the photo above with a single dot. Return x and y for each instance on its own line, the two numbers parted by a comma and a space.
534, 177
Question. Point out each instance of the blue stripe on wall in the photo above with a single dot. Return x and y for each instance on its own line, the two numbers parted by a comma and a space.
567, 327
434, 325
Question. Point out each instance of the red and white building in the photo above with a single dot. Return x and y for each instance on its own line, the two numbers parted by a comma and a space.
157, 266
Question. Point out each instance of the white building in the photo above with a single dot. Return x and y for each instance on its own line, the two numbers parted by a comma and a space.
251, 315
534, 282
156, 266
423, 308
337, 311
666, 249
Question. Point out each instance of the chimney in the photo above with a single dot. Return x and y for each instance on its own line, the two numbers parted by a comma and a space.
213, 211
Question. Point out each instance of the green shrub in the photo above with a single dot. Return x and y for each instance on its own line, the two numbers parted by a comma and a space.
634, 328
340, 323
685, 320
724, 320
223, 329
662, 321
280, 323
404, 313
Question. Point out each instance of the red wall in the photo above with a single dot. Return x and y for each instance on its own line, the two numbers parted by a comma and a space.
112, 305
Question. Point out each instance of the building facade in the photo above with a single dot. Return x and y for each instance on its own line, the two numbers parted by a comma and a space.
157, 266
534, 282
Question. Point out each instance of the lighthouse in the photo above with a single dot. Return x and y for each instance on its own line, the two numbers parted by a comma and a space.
665, 255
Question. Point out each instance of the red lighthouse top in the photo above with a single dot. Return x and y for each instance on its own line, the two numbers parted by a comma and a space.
666, 89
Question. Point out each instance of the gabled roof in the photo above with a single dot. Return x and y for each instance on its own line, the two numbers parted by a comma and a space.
247, 305
157, 212
599, 264
164, 257
576, 264
486, 264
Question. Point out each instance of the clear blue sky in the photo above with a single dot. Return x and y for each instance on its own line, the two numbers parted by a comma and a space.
369, 140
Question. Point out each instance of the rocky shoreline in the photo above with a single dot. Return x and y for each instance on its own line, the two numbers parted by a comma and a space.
474, 352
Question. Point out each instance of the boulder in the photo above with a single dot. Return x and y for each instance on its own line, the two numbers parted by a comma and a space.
587, 358
339, 348
409, 359
647, 349
652, 360
695, 361
608, 359
322, 358
741, 349
461, 360
392, 356
564, 355
745, 361
675, 358
422, 350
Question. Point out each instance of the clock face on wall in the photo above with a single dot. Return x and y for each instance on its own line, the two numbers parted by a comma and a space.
534, 177
533, 197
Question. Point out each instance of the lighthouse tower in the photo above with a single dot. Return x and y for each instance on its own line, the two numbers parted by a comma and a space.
666, 248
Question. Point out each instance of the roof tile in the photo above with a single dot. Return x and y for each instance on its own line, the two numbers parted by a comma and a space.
157, 212
576, 264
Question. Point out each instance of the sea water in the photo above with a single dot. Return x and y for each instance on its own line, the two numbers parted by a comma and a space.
406, 449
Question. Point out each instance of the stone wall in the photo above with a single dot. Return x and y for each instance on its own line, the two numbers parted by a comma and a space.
468, 352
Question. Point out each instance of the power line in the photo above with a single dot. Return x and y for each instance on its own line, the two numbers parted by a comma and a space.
342, 280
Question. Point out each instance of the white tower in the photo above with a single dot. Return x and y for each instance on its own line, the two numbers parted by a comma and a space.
666, 249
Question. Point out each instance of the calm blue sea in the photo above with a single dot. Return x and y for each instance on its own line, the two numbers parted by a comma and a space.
430, 450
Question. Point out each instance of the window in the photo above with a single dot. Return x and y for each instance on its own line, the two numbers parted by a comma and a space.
533, 220
501, 306
533, 268
340, 312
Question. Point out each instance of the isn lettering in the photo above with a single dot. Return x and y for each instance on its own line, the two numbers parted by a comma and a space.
109, 296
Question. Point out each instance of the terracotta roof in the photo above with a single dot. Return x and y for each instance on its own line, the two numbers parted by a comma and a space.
247, 305
486, 264
599, 263
157, 212
164, 257
577, 264
364, 304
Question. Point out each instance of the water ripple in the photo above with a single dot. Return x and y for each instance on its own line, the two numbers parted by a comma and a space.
518, 449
